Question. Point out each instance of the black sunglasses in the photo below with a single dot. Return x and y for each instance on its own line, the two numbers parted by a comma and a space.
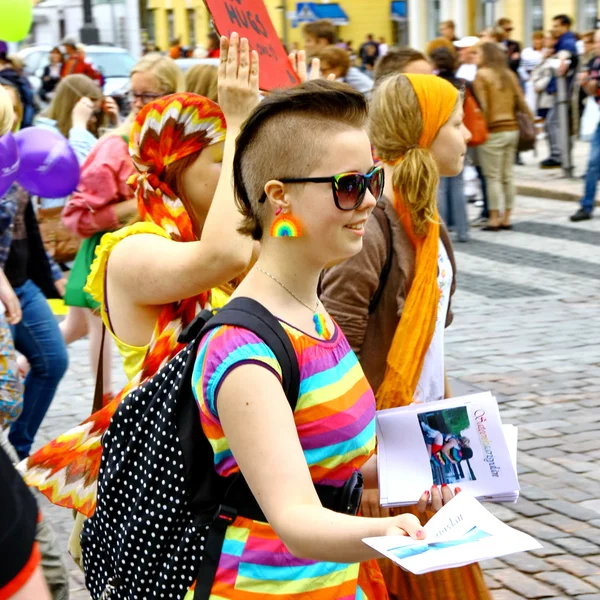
349, 189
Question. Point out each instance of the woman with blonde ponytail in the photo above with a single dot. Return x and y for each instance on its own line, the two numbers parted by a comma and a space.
392, 300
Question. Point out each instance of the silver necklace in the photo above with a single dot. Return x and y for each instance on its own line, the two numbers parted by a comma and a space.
318, 320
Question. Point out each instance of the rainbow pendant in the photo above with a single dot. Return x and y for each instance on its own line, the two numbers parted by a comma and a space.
321, 326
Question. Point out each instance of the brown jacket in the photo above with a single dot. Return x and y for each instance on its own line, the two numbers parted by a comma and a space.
347, 290
499, 104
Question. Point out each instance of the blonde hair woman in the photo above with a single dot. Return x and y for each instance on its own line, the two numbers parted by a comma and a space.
499, 93
392, 300
15, 116
6, 112
202, 80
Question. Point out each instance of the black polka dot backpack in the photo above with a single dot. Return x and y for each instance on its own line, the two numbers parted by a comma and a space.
162, 510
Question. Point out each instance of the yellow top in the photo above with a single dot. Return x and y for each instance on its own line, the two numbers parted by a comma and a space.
133, 356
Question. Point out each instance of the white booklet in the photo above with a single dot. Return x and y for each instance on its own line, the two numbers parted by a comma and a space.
460, 442
462, 532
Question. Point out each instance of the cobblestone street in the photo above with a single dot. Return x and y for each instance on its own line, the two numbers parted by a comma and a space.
527, 327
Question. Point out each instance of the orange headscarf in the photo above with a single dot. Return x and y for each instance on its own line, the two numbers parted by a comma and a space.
437, 100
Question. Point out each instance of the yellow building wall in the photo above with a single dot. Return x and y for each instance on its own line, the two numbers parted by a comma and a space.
365, 17
514, 10
557, 7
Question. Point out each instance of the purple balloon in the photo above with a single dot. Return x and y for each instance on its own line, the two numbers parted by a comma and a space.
9, 162
48, 166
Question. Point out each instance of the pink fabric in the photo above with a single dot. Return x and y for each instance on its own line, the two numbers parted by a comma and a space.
103, 184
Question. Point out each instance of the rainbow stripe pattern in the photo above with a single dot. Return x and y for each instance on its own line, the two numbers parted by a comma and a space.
335, 420
285, 226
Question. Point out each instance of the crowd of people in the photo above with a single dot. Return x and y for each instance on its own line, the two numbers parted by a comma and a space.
207, 195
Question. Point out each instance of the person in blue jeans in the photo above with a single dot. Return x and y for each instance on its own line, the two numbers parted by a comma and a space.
37, 336
452, 205
590, 83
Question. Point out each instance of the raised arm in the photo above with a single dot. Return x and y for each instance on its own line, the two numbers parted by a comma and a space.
153, 270
259, 426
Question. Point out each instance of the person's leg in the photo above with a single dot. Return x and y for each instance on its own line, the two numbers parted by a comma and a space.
553, 131
95, 328
491, 156
508, 178
456, 189
74, 326
429, 430
592, 175
52, 565
38, 337
485, 213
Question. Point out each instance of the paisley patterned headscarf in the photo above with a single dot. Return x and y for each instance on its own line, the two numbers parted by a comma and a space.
167, 130
164, 132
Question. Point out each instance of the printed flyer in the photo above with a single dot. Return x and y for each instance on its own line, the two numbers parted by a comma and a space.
462, 532
456, 442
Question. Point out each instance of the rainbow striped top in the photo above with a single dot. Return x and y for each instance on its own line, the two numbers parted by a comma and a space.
335, 420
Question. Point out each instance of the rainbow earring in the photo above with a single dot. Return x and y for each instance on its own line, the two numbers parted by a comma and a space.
285, 225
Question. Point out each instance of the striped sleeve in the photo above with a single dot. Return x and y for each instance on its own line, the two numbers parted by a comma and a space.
224, 349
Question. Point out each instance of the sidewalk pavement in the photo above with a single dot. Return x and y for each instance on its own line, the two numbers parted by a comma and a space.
552, 183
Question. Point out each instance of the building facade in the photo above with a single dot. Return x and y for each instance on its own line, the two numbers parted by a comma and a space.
412, 22
116, 20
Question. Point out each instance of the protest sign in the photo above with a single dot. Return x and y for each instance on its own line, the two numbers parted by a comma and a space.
250, 19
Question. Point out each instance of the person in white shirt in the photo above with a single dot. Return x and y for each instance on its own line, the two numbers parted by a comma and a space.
530, 58
466, 57
383, 47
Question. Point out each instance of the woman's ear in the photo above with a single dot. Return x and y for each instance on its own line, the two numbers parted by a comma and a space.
275, 192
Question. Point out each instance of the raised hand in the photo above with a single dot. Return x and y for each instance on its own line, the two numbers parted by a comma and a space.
111, 108
298, 60
82, 112
238, 79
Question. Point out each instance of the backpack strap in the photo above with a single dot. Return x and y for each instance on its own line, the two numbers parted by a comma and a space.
386, 227
253, 316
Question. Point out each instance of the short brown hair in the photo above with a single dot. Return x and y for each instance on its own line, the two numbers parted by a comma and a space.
539, 35
322, 29
336, 57
440, 42
395, 61
588, 36
503, 21
284, 136
449, 23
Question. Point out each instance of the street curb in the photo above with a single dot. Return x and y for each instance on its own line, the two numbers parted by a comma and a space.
524, 189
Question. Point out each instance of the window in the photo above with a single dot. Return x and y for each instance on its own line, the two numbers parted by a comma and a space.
171, 25
587, 13
433, 19
150, 25
534, 18
191, 17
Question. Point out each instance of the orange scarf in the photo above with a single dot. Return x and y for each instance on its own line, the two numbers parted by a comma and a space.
437, 100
